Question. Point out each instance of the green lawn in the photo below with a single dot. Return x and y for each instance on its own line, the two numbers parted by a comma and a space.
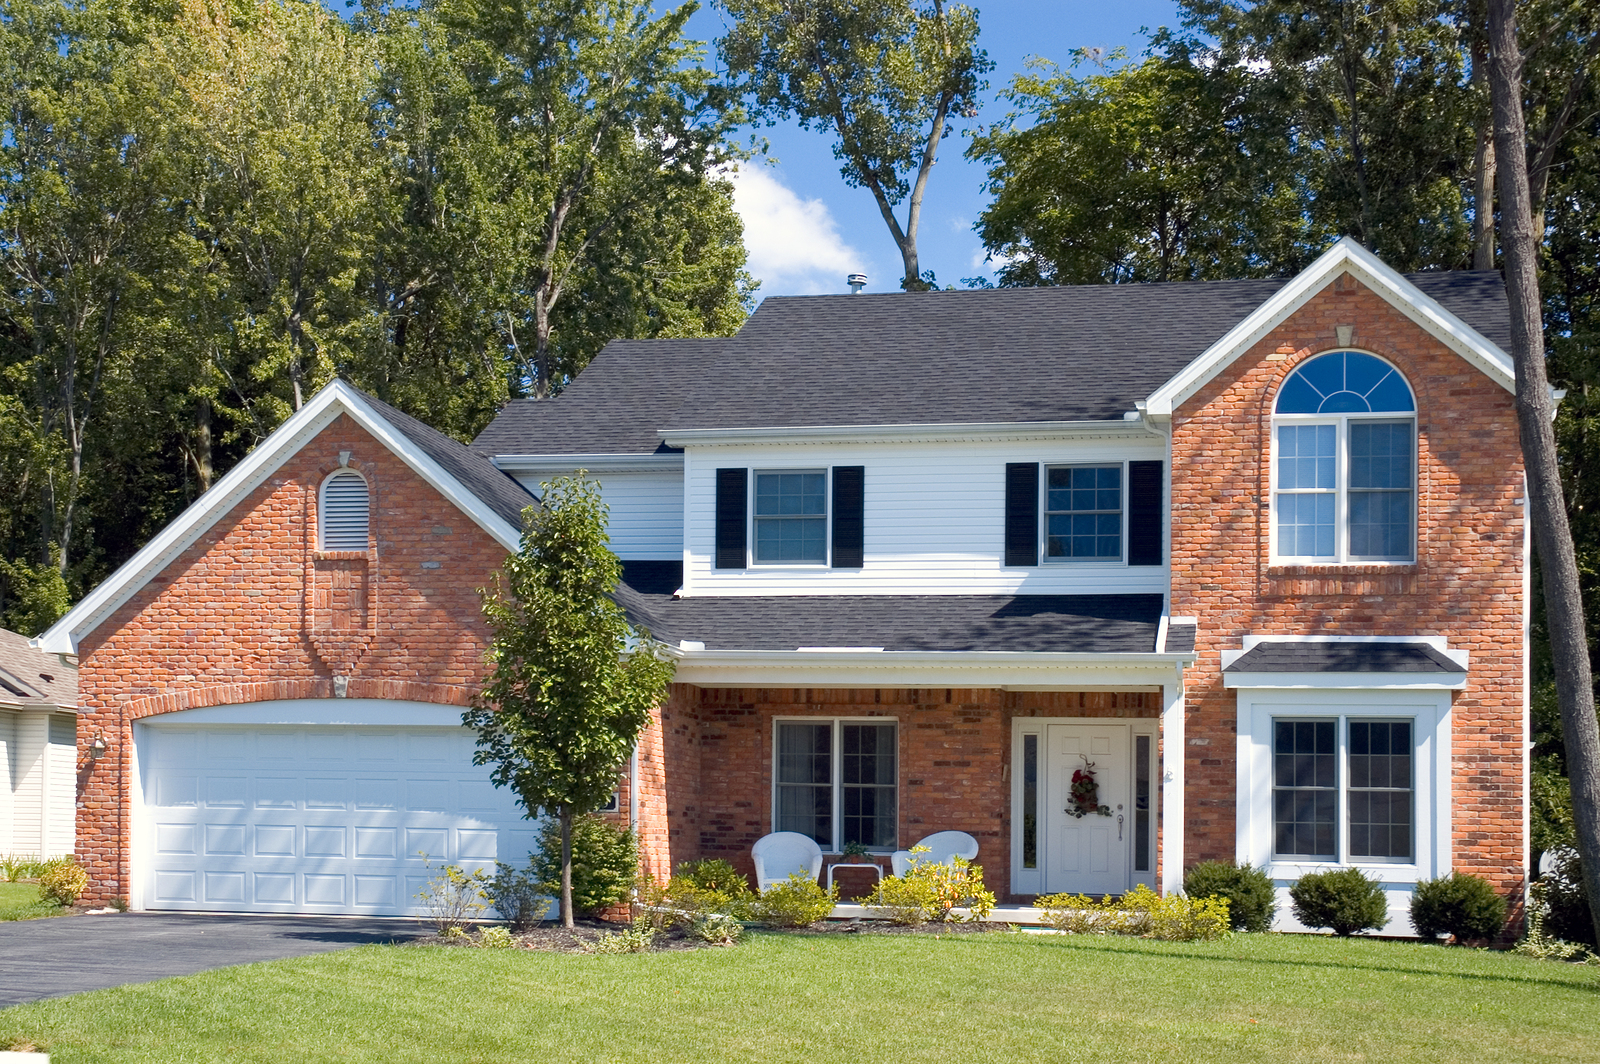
969, 998
20, 901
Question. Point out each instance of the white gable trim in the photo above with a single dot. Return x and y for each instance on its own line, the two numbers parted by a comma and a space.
1345, 257
267, 458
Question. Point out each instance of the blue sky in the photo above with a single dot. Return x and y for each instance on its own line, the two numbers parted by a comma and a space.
806, 229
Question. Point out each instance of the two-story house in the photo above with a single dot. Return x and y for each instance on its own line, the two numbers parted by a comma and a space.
1250, 553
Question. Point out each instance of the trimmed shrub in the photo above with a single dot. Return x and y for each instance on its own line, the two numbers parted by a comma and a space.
518, 896
633, 940
1457, 904
714, 875
931, 890
495, 938
605, 861
62, 880
1252, 899
1142, 912
1344, 900
798, 902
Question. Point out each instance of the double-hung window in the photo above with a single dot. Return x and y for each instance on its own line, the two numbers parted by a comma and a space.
1083, 512
1343, 789
836, 781
1344, 466
791, 517
794, 517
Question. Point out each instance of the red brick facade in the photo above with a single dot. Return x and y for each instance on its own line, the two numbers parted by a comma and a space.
1467, 583
252, 611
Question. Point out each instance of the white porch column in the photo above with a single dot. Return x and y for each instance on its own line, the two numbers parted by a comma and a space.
1172, 810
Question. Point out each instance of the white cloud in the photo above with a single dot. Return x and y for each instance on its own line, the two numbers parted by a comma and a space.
794, 243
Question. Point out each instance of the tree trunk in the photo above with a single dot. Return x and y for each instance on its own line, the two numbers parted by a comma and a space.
1547, 510
565, 814
202, 444
1483, 173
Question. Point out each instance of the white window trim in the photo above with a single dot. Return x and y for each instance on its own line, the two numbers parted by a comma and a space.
1341, 555
827, 518
1121, 560
1341, 491
1430, 712
1031, 880
836, 771
322, 499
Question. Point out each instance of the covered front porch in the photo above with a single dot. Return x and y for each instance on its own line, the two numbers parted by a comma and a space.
879, 768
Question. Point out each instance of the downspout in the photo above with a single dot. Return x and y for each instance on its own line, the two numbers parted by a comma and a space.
633, 790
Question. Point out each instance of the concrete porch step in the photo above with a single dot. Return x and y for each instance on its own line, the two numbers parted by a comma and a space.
1002, 914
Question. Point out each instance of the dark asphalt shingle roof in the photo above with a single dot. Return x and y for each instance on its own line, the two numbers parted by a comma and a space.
1343, 657
30, 677
497, 490
1107, 624
1180, 638
615, 406
1071, 353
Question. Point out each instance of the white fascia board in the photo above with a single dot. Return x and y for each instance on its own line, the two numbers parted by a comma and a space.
268, 456
1346, 256
1345, 681
873, 668
557, 464
955, 432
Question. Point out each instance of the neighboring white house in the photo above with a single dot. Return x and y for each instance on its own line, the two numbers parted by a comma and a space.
38, 749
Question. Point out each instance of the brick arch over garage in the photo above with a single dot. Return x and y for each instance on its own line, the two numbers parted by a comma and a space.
234, 694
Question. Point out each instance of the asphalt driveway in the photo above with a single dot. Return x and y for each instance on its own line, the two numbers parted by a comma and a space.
70, 954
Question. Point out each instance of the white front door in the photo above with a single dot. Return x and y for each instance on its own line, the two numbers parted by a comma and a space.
1089, 853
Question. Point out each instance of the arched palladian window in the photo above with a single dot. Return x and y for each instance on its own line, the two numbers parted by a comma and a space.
342, 512
1344, 467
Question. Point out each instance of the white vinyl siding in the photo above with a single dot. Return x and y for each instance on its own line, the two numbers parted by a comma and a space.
38, 783
646, 512
934, 518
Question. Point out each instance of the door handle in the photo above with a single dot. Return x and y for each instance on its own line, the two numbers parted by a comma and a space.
1119, 827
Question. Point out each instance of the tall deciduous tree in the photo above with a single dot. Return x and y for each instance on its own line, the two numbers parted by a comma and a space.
887, 77
603, 117
1149, 171
572, 685
1547, 510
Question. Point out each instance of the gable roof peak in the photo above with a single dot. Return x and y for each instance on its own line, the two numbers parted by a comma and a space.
1346, 256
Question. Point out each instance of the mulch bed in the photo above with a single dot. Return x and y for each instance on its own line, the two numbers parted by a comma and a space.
553, 938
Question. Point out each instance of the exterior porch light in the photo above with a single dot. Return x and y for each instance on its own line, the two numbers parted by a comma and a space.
98, 747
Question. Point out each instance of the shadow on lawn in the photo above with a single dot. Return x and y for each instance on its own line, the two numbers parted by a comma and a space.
1589, 983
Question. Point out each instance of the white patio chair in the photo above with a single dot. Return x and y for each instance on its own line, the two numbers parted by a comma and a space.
943, 846
782, 853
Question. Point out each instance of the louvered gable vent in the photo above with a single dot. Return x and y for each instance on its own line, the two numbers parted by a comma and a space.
344, 512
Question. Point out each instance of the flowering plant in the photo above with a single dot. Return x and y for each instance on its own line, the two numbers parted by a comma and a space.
1086, 793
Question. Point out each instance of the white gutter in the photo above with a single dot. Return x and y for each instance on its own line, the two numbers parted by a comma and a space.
594, 463
933, 433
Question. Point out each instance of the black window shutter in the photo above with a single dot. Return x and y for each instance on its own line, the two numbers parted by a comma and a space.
1022, 513
849, 533
1144, 513
733, 498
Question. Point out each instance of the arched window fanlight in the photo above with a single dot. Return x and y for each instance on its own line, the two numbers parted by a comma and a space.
343, 511
1345, 382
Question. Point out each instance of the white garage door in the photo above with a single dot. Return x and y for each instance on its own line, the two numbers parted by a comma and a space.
314, 818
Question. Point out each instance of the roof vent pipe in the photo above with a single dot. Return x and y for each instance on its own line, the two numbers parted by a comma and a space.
856, 281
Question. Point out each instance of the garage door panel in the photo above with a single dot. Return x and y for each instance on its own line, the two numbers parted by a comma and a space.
176, 839
225, 840
275, 840
376, 842
276, 827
